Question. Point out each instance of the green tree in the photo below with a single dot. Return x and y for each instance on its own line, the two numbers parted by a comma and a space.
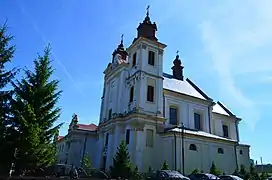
149, 169
87, 164
165, 166
121, 166
195, 171
214, 170
236, 172
136, 174
253, 174
264, 176
34, 114
243, 173
6, 55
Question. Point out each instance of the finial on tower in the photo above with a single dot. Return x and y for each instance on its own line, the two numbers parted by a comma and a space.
122, 38
177, 68
147, 10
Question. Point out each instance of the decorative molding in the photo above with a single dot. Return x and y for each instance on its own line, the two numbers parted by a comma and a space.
143, 46
112, 130
160, 52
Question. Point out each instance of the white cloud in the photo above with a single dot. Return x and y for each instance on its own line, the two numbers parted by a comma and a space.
235, 36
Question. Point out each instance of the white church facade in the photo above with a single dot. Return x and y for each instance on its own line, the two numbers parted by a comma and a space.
161, 116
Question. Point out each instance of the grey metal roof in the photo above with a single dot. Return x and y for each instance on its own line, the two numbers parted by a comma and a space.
183, 87
201, 133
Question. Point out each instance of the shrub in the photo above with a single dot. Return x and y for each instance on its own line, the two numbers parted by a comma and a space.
165, 166
214, 170
195, 171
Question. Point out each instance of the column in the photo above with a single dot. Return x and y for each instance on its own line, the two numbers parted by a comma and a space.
207, 125
160, 96
99, 157
166, 115
140, 144
116, 138
120, 93
110, 151
106, 101
133, 144
142, 91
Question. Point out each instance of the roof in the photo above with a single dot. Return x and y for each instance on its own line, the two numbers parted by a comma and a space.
60, 137
219, 108
88, 127
186, 87
201, 133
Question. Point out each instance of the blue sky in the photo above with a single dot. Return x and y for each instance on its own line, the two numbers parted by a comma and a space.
224, 46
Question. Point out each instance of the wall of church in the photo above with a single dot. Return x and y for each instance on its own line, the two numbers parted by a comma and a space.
186, 110
219, 120
61, 151
115, 96
206, 153
243, 155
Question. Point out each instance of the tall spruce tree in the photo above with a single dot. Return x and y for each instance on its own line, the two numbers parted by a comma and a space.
6, 54
121, 166
34, 115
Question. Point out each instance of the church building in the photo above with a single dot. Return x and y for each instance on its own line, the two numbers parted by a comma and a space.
162, 117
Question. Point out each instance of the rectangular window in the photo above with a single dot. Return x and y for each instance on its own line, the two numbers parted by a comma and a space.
127, 136
150, 93
110, 111
151, 58
149, 138
107, 139
131, 94
134, 59
173, 116
197, 118
225, 131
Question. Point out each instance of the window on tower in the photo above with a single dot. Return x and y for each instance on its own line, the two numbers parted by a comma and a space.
150, 93
127, 136
107, 139
134, 59
110, 112
151, 58
131, 94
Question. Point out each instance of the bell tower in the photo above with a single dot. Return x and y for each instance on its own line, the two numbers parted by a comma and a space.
146, 69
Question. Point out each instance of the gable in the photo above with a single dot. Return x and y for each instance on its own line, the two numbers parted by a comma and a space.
219, 108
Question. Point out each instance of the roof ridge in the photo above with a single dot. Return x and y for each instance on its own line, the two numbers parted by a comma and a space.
225, 108
198, 89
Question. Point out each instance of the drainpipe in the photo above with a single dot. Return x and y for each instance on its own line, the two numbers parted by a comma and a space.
163, 105
84, 149
236, 144
235, 153
175, 146
182, 136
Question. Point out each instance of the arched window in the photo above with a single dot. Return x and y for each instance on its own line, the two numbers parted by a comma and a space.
220, 151
193, 147
241, 152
